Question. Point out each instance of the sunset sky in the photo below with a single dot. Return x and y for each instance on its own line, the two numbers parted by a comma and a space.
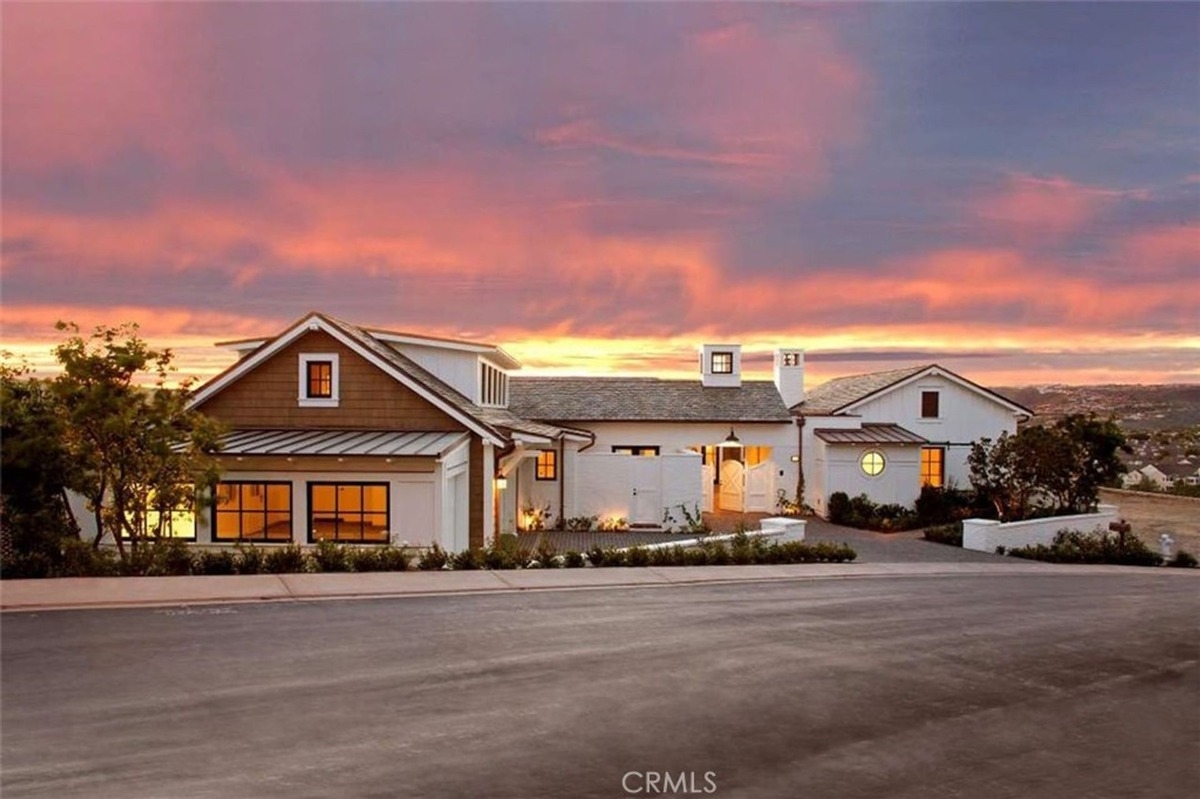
1012, 190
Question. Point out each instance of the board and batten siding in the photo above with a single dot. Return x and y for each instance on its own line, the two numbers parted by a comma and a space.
368, 399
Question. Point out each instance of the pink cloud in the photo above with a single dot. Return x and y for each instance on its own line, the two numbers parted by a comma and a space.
1028, 206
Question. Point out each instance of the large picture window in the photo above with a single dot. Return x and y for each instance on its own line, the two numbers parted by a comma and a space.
933, 466
252, 511
177, 520
348, 512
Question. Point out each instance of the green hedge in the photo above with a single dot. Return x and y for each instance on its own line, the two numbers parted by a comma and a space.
1072, 546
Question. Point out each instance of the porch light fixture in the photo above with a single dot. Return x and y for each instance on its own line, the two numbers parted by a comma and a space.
501, 483
731, 440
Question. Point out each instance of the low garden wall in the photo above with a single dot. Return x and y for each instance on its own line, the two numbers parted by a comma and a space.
985, 535
777, 528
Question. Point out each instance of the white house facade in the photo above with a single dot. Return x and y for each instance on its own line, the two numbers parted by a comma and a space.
343, 433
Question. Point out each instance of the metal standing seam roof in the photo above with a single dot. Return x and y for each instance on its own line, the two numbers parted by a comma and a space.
340, 442
870, 433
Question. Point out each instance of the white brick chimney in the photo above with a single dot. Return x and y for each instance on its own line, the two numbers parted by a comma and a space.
789, 375
721, 365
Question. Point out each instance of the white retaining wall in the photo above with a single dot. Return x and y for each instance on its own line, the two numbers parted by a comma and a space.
984, 535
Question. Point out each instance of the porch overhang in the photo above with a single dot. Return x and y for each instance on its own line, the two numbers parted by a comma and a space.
343, 443
870, 433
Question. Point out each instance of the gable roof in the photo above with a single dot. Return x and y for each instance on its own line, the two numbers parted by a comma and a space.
643, 399
493, 424
843, 393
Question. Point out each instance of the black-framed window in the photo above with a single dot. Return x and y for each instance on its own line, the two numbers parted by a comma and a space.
176, 521
319, 381
722, 363
348, 512
547, 465
933, 466
635, 449
252, 511
930, 402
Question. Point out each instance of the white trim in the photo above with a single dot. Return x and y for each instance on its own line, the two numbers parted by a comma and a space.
508, 361
318, 402
935, 371
313, 322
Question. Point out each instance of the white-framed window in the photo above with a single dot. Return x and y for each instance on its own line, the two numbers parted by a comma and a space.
318, 380
722, 363
931, 404
493, 386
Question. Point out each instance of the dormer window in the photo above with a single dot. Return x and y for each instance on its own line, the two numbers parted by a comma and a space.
722, 363
318, 380
493, 386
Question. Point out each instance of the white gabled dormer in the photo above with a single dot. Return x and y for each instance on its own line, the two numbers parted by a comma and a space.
721, 365
477, 371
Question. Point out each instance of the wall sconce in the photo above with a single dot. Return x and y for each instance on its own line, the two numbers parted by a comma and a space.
795, 459
501, 483
731, 440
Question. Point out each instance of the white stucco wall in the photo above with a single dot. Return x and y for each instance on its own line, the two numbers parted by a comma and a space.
898, 483
985, 535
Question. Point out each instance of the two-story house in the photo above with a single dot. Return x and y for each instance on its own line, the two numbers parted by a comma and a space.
344, 433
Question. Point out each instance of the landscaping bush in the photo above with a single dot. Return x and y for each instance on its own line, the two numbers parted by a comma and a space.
250, 559
504, 553
28, 566
285, 560
1183, 560
839, 507
667, 556
637, 556
467, 560
433, 559
950, 534
580, 524
1072, 546
215, 562
172, 558
328, 556
81, 559
547, 556
573, 559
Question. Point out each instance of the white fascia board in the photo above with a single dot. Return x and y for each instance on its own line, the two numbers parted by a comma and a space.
936, 371
314, 323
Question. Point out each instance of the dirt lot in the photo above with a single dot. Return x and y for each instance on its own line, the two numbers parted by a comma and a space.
1152, 515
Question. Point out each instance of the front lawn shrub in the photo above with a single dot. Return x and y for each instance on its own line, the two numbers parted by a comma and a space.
1073, 546
839, 507
580, 524
28, 566
467, 560
213, 562
390, 559
81, 559
433, 559
695, 556
285, 560
950, 534
606, 557
1183, 560
637, 556
171, 558
547, 555
573, 559
503, 553
328, 556
667, 556
250, 559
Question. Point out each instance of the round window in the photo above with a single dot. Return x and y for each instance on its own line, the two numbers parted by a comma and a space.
872, 463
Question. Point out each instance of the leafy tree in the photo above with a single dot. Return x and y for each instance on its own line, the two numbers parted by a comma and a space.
141, 453
36, 468
1059, 468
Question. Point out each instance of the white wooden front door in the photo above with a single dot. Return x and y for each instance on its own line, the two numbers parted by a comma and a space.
733, 486
646, 502
760, 488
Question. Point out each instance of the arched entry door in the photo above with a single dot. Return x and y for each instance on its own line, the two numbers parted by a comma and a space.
733, 486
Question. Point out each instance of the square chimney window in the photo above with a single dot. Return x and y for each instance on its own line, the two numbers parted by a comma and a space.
722, 363
791, 359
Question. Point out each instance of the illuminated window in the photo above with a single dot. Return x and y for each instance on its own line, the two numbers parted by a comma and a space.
348, 512
319, 380
872, 463
547, 465
929, 405
752, 456
722, 363
244, 511
646, 452
791, 359
933, 464
161, 520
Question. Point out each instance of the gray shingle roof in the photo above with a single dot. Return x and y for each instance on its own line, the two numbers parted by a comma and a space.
827, 398
643, 399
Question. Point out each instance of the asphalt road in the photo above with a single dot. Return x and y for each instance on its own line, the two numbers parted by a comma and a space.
1001, 686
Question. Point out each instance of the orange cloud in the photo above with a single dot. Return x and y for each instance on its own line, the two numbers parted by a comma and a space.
1030, 206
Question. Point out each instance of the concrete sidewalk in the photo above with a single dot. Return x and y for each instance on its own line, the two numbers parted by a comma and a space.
117, 592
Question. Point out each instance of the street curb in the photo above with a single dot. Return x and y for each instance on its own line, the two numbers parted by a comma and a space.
171, 591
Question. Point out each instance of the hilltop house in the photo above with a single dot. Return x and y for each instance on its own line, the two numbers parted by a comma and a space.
339, 432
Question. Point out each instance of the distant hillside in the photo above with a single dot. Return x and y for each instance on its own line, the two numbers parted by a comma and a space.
1135, 407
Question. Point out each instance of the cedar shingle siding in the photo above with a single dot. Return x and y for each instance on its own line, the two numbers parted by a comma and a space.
369, 399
